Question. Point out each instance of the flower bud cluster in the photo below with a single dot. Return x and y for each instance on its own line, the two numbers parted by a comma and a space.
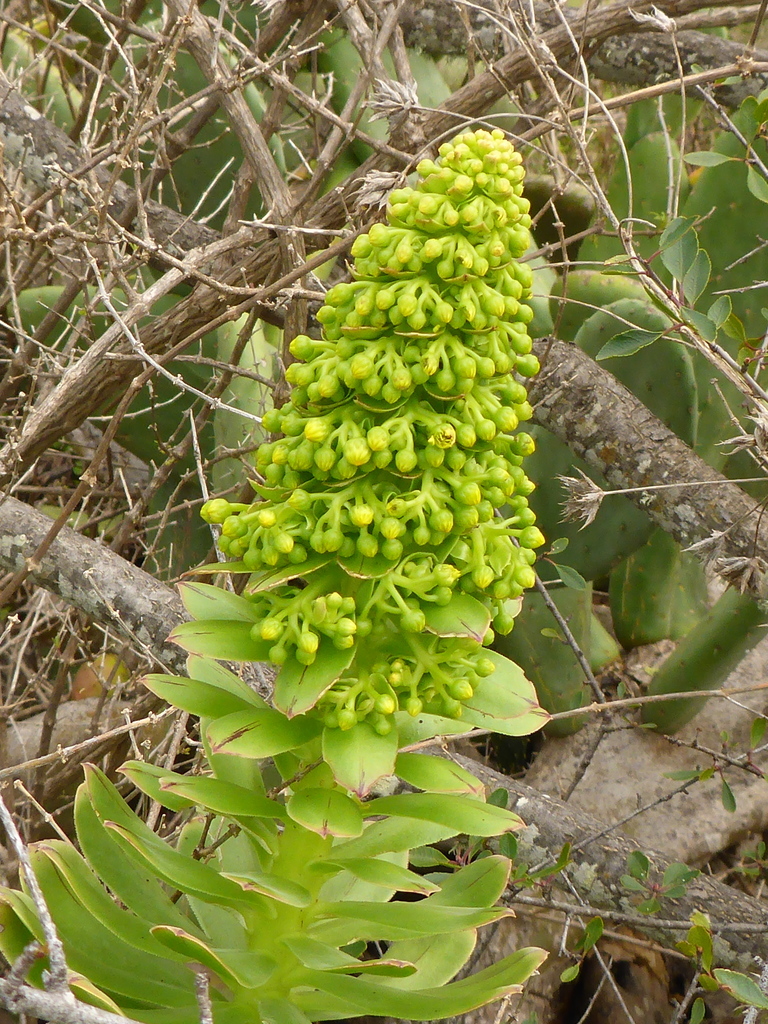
400, 445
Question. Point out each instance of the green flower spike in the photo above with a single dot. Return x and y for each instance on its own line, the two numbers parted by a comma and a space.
394, 534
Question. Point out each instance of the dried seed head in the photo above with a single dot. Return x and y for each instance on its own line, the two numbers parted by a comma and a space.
746, 574
392, 99
376, 187
657, 18
584, 498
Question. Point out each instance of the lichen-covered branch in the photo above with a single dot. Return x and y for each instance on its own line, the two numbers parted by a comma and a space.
599, 859
47, 157
634, 58
87, 575
606, 425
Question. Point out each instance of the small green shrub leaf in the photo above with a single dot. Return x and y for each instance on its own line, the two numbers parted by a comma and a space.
707, 158
627, 343
757, 184
742, 988
697, 276
757, 732
729, 800
572, 579
698, 1011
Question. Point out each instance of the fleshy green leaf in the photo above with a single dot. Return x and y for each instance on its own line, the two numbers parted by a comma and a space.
75, 874
147, 778
260, 733
503, 978
390, 921
462, 616
196, 697
478, 884
380, 872
392, 835
299, 687
359, 757
239, 966
262, 581
437, 774
320, 956
182, 872
326, 811
424, 727
204, 601
103, 956
214, 568
280, 1011
505, 701
227, 639
133, 836
213, 673
221, 797
465, 814
437, 958
135, 887
277, 888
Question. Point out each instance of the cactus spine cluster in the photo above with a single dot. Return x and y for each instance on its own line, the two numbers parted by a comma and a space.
399, 446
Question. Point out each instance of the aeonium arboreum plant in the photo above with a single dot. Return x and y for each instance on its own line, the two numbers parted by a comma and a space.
394, 534
376, 564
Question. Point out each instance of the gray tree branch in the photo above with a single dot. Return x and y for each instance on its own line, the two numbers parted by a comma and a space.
56, 1007
599, 859
87, 575
634, 58
47, 157
602, 422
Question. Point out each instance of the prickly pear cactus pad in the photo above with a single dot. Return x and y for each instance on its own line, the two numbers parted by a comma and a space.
381, 564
